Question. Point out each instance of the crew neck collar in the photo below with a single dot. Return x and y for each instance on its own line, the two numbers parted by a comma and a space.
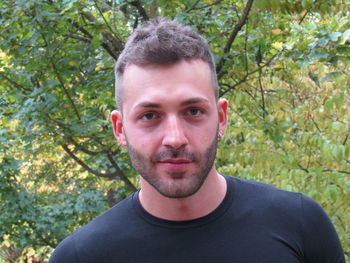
216, 213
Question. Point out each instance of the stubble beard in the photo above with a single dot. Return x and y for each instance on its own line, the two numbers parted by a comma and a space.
180, 185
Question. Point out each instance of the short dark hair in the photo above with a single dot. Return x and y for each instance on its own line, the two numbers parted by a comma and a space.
162, 41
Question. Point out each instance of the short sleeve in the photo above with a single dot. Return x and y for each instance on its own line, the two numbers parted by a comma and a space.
65, 252
321, 242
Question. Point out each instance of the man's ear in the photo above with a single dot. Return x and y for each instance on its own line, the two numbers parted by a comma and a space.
222, 111
117, 122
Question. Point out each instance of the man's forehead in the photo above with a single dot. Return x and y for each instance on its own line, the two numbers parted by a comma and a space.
182, 71
185, 82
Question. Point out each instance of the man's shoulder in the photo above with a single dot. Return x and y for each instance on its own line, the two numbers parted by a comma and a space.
251, 187
98, 235
290, 218
266, 199
262, 196
114, 219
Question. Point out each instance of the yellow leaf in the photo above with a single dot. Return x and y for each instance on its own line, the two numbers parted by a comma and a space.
210, 2
276, 31
73, 63
284, 85
277, 45
30, 252
279, 114
6, 243
98, 68
179, 3
278, 66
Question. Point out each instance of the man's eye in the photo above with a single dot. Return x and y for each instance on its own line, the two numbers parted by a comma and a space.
194, 112
148, 116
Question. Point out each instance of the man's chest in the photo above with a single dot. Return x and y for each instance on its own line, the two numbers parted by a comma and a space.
204, 245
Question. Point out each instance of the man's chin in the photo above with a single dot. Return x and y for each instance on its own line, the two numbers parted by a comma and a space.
177, 186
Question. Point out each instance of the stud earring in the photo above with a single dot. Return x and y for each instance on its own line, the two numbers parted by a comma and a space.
219, 136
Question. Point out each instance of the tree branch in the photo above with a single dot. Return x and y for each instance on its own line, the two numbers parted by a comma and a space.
14, 83
83, 149
90, 37
60, 80
244, 79
109, 50
303, 168
120, 173
107, 38
140, 8
346, 139
46, 242
86, 167
83, 39
233, 35
303, 17
194, 6
316, 125
33, 225
338, 171
245, 49
108, 25
80, 28
263, 106
325, 170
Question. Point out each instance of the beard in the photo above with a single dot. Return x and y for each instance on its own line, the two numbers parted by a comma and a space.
178, 185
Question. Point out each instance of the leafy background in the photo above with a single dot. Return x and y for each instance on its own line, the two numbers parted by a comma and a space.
283, 65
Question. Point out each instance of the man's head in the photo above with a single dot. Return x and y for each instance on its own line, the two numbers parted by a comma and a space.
162, 42
170, 118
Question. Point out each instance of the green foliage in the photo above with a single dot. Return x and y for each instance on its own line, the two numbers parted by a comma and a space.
285, 72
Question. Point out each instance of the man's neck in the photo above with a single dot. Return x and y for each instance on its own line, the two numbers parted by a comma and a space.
203, 202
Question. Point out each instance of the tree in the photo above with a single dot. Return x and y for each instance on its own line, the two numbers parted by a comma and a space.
283, 65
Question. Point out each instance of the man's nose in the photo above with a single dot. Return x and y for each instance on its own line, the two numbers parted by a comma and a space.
174, 134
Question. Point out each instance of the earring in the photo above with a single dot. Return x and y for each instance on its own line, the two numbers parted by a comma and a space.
219, 135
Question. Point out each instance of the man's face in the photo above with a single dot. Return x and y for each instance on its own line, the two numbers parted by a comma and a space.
170, 122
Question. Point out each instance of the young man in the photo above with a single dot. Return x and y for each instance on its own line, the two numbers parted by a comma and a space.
170, 119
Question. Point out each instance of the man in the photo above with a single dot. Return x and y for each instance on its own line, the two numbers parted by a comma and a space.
170, 119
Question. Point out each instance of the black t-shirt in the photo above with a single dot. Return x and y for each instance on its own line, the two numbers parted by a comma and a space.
254, 223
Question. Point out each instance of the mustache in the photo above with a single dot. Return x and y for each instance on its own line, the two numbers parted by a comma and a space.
175, 153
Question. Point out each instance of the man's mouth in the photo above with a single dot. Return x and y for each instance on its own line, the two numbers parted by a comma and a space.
175, 160
175, 164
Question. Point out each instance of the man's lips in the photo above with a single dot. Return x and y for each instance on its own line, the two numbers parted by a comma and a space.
177, 164
175, 161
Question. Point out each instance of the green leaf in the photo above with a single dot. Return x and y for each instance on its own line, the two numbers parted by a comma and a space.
338, 152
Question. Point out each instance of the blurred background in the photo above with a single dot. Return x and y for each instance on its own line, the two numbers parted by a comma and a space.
283, 65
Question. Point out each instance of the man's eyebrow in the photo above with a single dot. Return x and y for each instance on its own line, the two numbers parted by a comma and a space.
194, 101
147, 104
